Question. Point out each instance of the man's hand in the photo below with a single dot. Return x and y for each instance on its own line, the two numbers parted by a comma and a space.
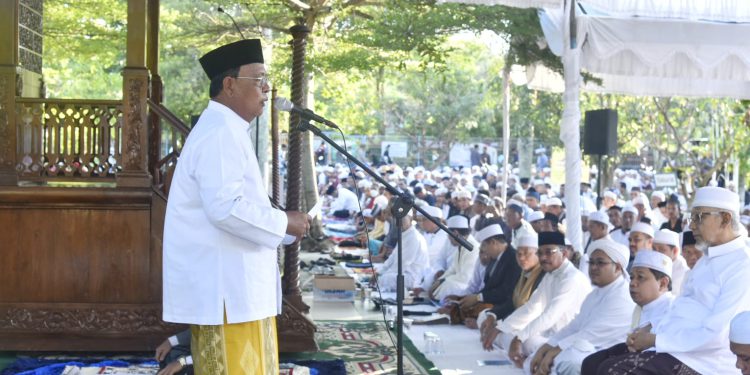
374, 280
469, 301
545, 367
641, 339
171, 369
417, 291
162, 350
515, 352
488, 323
538, 358
489, 338
298, 223
470, 323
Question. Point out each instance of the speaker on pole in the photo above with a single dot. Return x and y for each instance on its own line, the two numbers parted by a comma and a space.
600, 132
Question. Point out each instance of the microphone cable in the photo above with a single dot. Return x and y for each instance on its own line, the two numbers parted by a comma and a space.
367, 245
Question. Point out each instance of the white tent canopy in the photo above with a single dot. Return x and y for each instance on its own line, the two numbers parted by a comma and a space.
641, 47
641, 52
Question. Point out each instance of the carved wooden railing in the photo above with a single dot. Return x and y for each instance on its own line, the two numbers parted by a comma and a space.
172, 133
61, 139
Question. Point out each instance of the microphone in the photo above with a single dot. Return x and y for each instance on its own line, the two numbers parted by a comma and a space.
285, 105
221, 10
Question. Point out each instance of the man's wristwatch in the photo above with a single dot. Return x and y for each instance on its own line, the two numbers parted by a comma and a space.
182, 361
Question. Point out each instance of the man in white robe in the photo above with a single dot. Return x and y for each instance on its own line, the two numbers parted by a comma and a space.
555, 302
604, 318
414, 260
221, 232
437, 246
694, 335
457, 276
649, 287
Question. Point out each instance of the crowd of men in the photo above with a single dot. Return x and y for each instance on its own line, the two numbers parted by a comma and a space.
653, 290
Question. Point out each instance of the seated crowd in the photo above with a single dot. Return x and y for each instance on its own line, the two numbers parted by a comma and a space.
650, 291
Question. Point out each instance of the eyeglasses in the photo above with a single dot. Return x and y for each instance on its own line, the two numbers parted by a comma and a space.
540, 253
600, 263
263, 81
697, 218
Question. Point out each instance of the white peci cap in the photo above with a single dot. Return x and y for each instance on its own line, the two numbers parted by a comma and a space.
667, 237
653, 260
488, 232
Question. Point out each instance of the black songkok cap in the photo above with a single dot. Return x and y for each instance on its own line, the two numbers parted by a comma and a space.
688, 238
551, 238
230, 56
552, 218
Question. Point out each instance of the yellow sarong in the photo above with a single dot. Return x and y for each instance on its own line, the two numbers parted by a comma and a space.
235, 349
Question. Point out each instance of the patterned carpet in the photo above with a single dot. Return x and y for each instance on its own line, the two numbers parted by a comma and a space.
365, 347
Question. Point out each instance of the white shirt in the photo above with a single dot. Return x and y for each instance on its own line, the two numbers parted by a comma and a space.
439, 249
696, 329
679, 270
346, 200
476, 283
604, 319
414, 259
620, 237
554, 303
220, 231
653, 312
657, 218
457, 276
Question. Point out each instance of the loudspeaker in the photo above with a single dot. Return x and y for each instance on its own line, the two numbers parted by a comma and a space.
600, 132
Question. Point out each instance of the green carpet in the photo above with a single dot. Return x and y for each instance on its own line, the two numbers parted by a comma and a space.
365, 347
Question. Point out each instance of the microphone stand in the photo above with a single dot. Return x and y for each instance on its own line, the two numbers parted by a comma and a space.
402, 205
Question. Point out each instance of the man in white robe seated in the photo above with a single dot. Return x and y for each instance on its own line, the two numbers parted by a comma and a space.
739, 341
345, 203
649, 287
551, 307
457, 276
438, 247
604, 318
414, 260
693, 338
668, 243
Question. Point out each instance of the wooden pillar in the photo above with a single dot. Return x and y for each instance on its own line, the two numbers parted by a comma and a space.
9, 71
135, 91
290, 281
156, 93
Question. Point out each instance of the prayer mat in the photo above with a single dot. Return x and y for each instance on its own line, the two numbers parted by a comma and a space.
365, 347
94, 364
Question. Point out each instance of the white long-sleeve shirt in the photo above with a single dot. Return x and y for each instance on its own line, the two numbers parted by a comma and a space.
414, 260
653, 312
346, 200
476, 283
696, 329
620, 237
457, 276
554, 303
679, 271
220, 231
439, 249
604, 319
